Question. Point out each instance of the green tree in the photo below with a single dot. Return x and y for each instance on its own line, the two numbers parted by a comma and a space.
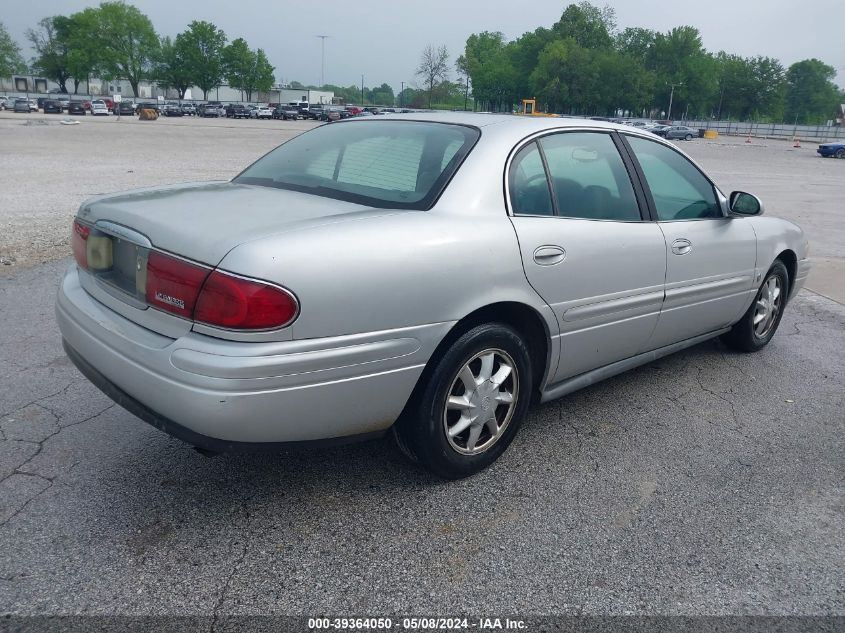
811, 95
11, 61
51, 45
382, 95
126, 41
565, 77
171, 69
488, 64
433, 68
635, 42
83, 53
247, 70
678, 59
201, 46
590, 26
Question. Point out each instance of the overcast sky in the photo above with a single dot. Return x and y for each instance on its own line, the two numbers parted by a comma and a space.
383, 40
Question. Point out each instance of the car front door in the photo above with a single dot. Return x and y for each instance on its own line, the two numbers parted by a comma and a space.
711, 256
586, 247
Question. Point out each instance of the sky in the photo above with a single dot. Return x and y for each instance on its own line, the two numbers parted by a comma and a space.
384, 40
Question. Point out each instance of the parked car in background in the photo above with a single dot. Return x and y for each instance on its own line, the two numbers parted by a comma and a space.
213, 109
124, 108
33, 105
22, 105
172, 108
5, 103
76, 107
247, 333
98, 108
285, 112
237, 111
836, 149
148, 105
189, 109
680, 132
330, 114
109, 103
659, 129
261, 112
51, 106
353, 110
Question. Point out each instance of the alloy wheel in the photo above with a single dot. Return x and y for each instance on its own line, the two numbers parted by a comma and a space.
481, 401
767, 306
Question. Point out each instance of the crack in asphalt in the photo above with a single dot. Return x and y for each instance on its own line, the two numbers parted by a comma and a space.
224, 591
59, 428
38, 400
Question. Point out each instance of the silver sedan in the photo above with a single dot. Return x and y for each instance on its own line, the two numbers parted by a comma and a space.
430, 275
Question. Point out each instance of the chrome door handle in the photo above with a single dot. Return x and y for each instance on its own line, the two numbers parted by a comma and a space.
681, 246
549, 255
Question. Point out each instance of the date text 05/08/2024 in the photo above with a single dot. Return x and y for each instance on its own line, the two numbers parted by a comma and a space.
414, 624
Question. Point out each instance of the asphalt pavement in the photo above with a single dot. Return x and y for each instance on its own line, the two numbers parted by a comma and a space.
708, 482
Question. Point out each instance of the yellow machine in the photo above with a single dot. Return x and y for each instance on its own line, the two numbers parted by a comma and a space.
529, 108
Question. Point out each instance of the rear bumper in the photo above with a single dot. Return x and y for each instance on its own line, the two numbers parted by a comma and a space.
221, 394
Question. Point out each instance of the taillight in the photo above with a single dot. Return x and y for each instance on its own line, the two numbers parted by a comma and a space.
79, 243
243, 304
173, 284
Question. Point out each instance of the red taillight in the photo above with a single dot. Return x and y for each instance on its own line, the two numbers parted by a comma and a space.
79, 243
173, 284
242, 304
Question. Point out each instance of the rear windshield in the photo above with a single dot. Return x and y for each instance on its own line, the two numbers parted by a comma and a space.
388, 164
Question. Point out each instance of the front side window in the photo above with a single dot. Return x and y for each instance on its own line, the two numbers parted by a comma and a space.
588, 177
680, 191
387, 164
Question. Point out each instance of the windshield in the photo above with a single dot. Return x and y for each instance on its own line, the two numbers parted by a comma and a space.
386, 164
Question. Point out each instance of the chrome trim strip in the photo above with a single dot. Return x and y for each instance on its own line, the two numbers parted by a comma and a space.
597, 375
698, 290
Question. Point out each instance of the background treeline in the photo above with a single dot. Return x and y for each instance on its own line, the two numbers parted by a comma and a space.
116, 41
584, 65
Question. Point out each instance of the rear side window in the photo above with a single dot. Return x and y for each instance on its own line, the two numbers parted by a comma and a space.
528, 185
588, 177
680, 191
390, 164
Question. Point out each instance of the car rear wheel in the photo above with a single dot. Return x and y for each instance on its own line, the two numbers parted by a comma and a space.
840, 153
760, 322
471, 404
688, 137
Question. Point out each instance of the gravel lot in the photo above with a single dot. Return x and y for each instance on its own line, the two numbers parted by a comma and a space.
708, 482
51, 168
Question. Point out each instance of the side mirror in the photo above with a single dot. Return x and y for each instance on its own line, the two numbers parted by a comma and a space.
745, 203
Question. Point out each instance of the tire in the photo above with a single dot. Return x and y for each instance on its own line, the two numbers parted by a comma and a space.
441, 402
688, 137
748, 336
840, 153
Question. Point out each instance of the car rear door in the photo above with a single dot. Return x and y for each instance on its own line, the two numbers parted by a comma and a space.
711, 256
586, 246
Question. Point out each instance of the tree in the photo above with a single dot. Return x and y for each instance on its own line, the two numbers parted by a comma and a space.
127, 42
382, 95
172, 69
247, 70
487, 62
811, 95
51, 48
201, 47
588, 25
11, 61
433, 68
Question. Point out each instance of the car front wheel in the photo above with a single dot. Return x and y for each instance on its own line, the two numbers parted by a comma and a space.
688, 137
840, 153
760, 322
471, 404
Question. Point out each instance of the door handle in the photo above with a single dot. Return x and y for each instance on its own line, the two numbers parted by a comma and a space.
549, 255
681, 246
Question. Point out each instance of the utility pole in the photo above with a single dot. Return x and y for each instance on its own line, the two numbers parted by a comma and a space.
323, 66
362, 89
671, 96
401, 94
